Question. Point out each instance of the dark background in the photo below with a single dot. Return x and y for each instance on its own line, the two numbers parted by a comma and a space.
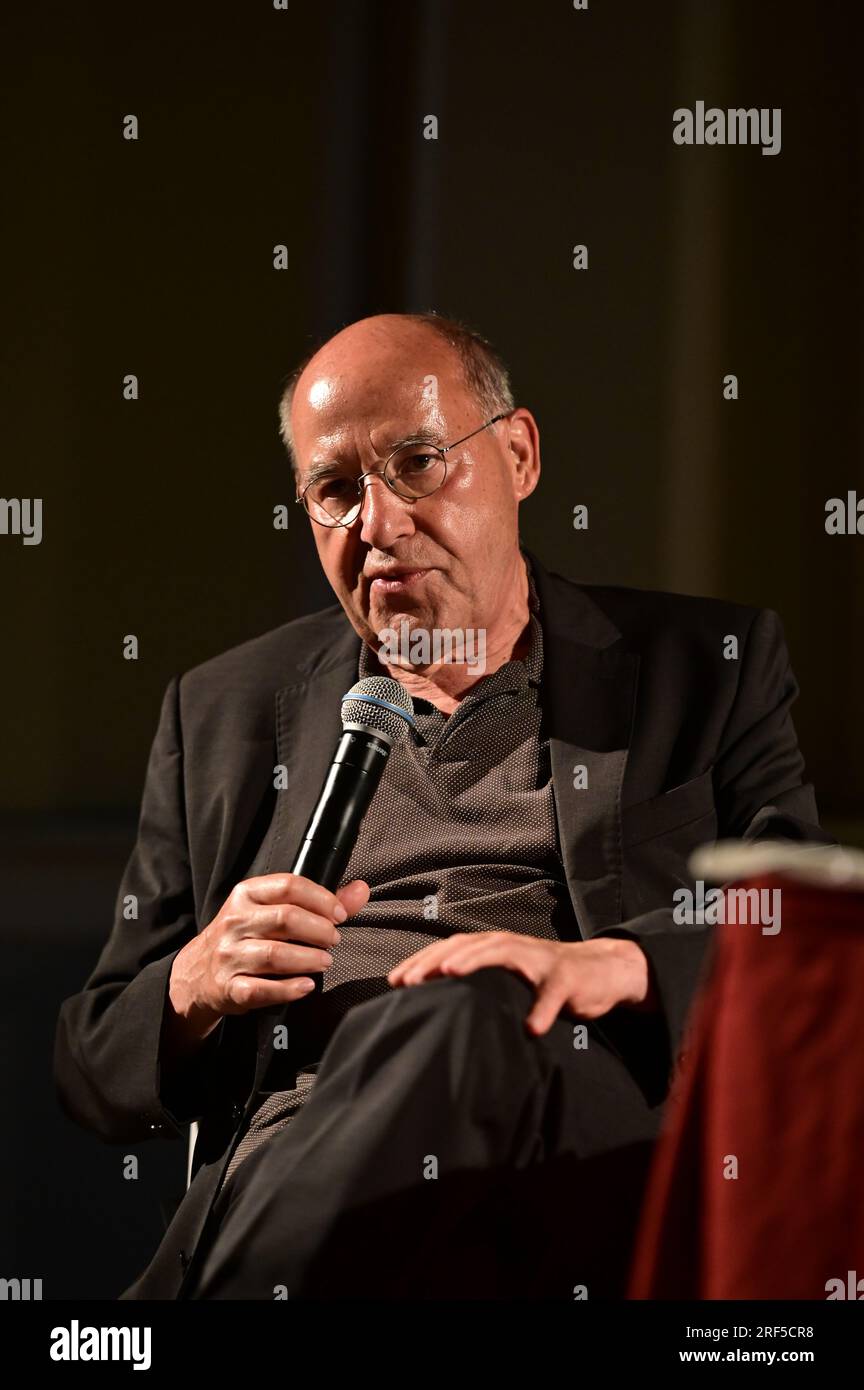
260, 127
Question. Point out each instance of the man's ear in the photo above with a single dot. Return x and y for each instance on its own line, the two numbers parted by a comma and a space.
524, 446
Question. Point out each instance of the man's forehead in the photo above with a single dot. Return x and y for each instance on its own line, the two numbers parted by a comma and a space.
391, 433
325, 402
333, 423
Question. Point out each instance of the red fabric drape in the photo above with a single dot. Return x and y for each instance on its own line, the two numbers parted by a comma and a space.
773, 1082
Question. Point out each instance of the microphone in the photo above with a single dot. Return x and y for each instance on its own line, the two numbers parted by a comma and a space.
376, 713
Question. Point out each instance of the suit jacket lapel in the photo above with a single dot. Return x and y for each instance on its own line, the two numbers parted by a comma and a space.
589, 694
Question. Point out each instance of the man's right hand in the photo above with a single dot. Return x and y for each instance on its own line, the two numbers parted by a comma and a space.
274, 925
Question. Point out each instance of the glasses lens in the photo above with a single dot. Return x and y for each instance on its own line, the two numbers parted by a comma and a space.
332, 501
416, 470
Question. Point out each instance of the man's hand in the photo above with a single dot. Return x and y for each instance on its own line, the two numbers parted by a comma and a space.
258, 933
588, 978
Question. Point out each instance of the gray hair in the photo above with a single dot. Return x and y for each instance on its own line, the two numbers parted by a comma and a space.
484, 373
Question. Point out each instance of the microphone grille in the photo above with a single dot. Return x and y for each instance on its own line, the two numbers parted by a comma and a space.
381, 705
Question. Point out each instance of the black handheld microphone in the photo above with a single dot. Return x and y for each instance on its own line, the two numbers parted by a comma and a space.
376, 713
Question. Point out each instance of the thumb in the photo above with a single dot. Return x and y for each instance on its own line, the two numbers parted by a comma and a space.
353, 895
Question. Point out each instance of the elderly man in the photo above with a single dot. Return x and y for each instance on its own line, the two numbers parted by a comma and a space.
468, 1105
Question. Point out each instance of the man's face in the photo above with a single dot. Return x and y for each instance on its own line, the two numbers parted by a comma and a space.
444, 561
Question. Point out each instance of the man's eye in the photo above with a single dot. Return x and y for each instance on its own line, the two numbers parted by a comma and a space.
333, 487
416, 463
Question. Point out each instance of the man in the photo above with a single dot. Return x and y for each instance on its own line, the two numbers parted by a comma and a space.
468, 1105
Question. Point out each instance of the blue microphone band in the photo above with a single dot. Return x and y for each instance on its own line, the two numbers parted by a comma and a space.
382, 704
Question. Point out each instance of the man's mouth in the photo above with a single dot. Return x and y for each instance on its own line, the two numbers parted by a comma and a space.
396, 580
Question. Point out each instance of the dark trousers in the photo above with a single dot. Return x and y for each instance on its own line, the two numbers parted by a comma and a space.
444, 1152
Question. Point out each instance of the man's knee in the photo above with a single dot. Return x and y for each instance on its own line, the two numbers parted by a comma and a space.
497, 982
487, 1007
493, 987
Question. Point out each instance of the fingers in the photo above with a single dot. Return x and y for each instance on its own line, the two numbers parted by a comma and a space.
467, 951
546, 1008
294, 888
275, 925
254, 992
515, 955
273, 957
295, 921
291, 923
470, 951
425, 960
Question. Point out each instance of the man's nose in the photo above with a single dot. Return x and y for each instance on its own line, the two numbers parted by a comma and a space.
384, 516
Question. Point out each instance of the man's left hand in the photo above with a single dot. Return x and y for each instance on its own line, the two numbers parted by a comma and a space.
588, 978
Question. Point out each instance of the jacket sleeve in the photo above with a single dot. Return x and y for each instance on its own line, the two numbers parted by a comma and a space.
109, 1069
760, 794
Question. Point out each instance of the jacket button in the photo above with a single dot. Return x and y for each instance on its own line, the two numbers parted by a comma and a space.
236, 1113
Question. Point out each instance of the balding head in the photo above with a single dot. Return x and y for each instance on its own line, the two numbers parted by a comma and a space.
482, 371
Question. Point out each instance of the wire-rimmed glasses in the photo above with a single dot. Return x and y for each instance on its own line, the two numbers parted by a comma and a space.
414, 470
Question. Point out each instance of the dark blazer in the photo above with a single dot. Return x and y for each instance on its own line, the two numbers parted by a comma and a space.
681, 745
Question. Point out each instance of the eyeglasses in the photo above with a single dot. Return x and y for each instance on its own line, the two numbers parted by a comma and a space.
415, 470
